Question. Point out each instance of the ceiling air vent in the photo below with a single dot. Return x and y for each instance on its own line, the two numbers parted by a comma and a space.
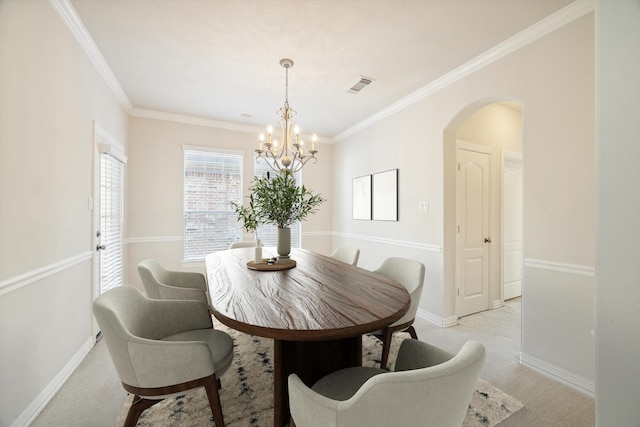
360, 84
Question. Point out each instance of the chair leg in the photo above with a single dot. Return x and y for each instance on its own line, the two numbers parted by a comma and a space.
412, 332
138, 406
386, 346
211, 387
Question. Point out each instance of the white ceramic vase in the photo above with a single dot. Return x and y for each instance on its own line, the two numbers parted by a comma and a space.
284, 242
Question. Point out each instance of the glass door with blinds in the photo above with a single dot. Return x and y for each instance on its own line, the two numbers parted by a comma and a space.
109, 235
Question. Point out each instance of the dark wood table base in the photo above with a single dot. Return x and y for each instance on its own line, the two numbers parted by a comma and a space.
310, 360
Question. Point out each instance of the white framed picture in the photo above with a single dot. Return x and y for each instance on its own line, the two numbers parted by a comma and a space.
385, 195
361, 194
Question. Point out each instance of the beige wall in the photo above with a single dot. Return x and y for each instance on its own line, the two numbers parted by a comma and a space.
495, 125
155, 188
618, 248
50, 96
553, 79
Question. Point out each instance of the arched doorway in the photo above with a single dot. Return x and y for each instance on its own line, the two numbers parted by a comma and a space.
483, 207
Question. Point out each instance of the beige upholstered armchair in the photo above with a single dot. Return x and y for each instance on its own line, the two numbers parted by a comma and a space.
160, 283
410, 274
346, 254
162, 347
429, 388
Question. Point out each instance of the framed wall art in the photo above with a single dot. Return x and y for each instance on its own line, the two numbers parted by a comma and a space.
361, 194
385, 195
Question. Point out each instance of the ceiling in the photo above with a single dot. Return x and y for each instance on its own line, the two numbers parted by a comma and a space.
219, 59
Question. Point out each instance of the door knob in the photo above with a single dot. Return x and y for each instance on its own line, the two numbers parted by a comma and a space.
487, 239
100, 247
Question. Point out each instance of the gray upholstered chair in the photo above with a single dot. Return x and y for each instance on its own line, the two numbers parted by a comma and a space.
243, 244
410, 274
429, 388
346, 254
162, 347
160, 283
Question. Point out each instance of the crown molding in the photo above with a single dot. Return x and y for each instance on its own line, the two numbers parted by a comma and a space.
549, 24
193, 120
71, 18
201, 121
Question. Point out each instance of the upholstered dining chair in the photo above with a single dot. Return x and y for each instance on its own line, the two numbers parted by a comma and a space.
160, 283
162, 347
429, 388
346, 254
410, 273
243, 244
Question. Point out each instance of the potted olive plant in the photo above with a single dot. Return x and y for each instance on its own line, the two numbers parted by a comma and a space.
278, 201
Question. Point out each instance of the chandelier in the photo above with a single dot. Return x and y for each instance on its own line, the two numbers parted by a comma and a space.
287, 154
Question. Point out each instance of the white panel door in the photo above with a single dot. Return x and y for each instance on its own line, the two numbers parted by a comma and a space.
473, 231
512, 227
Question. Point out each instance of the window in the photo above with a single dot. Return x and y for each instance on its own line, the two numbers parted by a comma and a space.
212, 180
268, 234
111, 218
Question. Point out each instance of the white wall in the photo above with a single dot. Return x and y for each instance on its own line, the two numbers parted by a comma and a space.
618, 248
155, 187
553, 78
50, 96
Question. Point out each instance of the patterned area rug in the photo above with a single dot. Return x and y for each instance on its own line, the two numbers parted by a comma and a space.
247, 393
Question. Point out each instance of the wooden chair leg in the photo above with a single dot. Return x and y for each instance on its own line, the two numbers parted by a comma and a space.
386, 346
412, 332
138, 406
211, 387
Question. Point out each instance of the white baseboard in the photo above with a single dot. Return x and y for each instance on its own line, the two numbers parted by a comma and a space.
570, 379
445, 322
42, 400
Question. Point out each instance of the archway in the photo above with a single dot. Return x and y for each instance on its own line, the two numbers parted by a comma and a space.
496, 126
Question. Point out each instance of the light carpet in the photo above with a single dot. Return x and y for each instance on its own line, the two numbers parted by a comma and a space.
247, 391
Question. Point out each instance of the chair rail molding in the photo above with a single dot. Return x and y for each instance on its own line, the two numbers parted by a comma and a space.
561, 267
384, 240
22, 280
153, 239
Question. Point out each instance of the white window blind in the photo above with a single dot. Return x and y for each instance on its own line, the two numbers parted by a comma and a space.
111, 219
212, 180
268, 234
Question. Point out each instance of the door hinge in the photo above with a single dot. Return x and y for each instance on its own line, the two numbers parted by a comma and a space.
458, 291
458, 166
458, 229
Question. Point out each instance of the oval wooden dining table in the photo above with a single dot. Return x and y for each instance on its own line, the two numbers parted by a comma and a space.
316, 312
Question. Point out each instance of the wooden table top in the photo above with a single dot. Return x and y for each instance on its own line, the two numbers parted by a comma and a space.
320, 299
